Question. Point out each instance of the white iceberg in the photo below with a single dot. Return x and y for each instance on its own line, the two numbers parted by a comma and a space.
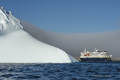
17, 46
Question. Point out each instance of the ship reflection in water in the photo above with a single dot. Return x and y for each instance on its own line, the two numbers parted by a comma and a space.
95, 56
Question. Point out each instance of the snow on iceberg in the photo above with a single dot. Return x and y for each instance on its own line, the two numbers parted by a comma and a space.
8, 22
17, 46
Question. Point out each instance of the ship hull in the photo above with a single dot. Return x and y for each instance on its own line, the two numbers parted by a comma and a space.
96, 59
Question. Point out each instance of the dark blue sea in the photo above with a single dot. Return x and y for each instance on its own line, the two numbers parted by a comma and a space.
71, 71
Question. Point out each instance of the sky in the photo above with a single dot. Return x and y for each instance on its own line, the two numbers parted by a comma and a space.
68, 16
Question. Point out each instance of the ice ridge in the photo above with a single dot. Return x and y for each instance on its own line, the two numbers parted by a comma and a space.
8, 22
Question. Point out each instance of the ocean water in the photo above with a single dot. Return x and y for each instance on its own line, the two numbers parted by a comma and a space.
71, 71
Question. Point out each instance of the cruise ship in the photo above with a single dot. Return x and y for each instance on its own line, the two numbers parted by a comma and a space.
95, 56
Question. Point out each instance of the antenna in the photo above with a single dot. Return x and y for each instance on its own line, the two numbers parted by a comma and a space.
85, 50
95, 49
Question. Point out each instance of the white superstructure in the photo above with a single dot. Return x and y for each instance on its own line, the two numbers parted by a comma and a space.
95, 54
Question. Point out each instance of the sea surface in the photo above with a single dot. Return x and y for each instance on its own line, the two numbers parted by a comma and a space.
71, 71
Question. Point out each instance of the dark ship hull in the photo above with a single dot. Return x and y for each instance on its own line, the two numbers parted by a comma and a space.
96, 59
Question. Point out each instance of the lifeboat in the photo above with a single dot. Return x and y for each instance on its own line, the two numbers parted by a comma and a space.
88, 54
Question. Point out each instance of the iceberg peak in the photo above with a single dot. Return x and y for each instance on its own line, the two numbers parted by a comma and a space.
8, 22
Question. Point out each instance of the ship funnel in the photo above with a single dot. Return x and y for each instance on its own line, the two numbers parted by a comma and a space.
95, 50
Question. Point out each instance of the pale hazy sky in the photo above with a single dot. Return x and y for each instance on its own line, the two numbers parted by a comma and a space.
76, 16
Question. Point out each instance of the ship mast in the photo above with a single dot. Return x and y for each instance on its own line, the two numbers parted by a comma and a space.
85, 50
94, 49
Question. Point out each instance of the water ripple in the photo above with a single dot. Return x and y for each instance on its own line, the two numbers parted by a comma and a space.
73, 71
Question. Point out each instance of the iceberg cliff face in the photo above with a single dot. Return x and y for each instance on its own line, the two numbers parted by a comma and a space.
17, 46
20, 47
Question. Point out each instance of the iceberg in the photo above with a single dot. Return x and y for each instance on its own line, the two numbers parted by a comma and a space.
18, 46
8, 22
